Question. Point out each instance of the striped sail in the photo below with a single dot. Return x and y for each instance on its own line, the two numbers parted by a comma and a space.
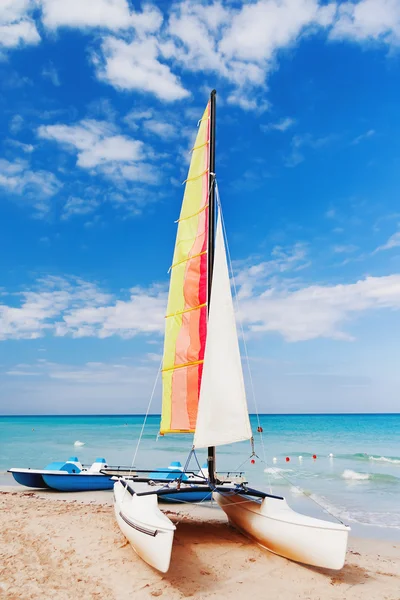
186, 318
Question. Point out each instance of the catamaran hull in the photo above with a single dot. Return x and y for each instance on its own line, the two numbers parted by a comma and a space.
276, 527
147, 529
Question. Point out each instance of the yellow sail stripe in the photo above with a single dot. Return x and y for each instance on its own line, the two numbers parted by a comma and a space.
188, 258
164, 431
188, 364
200, 146
195, 177
193, 215
180, 312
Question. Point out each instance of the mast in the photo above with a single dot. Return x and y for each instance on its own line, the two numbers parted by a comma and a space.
211, 243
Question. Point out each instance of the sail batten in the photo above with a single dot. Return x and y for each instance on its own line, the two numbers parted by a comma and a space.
186, 315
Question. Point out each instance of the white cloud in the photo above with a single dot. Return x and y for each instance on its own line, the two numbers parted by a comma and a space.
108, 14
16, 124
393, 242
99, 146
134, 117
27, 148
78, 206
113, 15
284, 260
28, 185
240, 43
51, 73
318, 311
142, 313
95, 142
281, 125
368, 20
136, 66
161, 129
16, 25
299, 142
363, 136
74, 307
39, 307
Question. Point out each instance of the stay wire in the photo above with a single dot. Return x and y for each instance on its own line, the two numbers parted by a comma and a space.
144, 423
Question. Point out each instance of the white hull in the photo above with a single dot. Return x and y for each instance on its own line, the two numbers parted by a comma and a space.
276, 527
146, 528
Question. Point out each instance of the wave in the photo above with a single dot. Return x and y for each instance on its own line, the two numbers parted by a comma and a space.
378, 477
363, 456
276, 470
78, 443
389, 459
359, 456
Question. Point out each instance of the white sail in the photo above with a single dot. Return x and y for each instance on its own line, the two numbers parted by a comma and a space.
222, 414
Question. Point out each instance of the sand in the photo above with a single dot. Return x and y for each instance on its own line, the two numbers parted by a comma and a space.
68, 546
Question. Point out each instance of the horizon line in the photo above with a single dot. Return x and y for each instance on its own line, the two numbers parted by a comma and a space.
303, 414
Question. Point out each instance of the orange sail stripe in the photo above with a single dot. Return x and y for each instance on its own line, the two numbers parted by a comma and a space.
186, 322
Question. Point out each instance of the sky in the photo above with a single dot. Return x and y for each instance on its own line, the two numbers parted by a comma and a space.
99, 105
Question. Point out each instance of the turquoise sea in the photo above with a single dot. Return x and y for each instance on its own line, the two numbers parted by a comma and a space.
359, 483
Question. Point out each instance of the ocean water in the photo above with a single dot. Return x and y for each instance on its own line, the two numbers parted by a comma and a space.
356, 475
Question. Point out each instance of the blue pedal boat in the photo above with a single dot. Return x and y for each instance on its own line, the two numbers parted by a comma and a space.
68, 476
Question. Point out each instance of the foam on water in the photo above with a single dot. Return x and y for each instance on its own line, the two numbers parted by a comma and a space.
277, 470
372, 477
354, 476
391, 460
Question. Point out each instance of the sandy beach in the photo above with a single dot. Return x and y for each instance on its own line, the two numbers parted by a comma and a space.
69, 547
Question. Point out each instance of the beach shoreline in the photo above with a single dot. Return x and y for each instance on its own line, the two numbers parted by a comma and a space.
68, 546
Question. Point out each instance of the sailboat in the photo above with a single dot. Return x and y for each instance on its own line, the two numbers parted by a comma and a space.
204, 393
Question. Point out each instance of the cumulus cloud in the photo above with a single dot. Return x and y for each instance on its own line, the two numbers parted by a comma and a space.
137, 66
16, 24
318, 311
368, 20
105, 14
393, 242
39, 306
160, 128
363, 136
268, 303
72, 306
24, 183
99, 146
78, 207
281, 125
146, 50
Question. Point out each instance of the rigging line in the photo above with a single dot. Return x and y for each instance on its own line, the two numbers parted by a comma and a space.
145, 419
235, 293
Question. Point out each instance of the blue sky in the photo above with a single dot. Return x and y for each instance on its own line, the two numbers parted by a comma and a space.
99, 105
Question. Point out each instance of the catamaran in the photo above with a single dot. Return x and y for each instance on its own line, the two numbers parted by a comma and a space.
204, 393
